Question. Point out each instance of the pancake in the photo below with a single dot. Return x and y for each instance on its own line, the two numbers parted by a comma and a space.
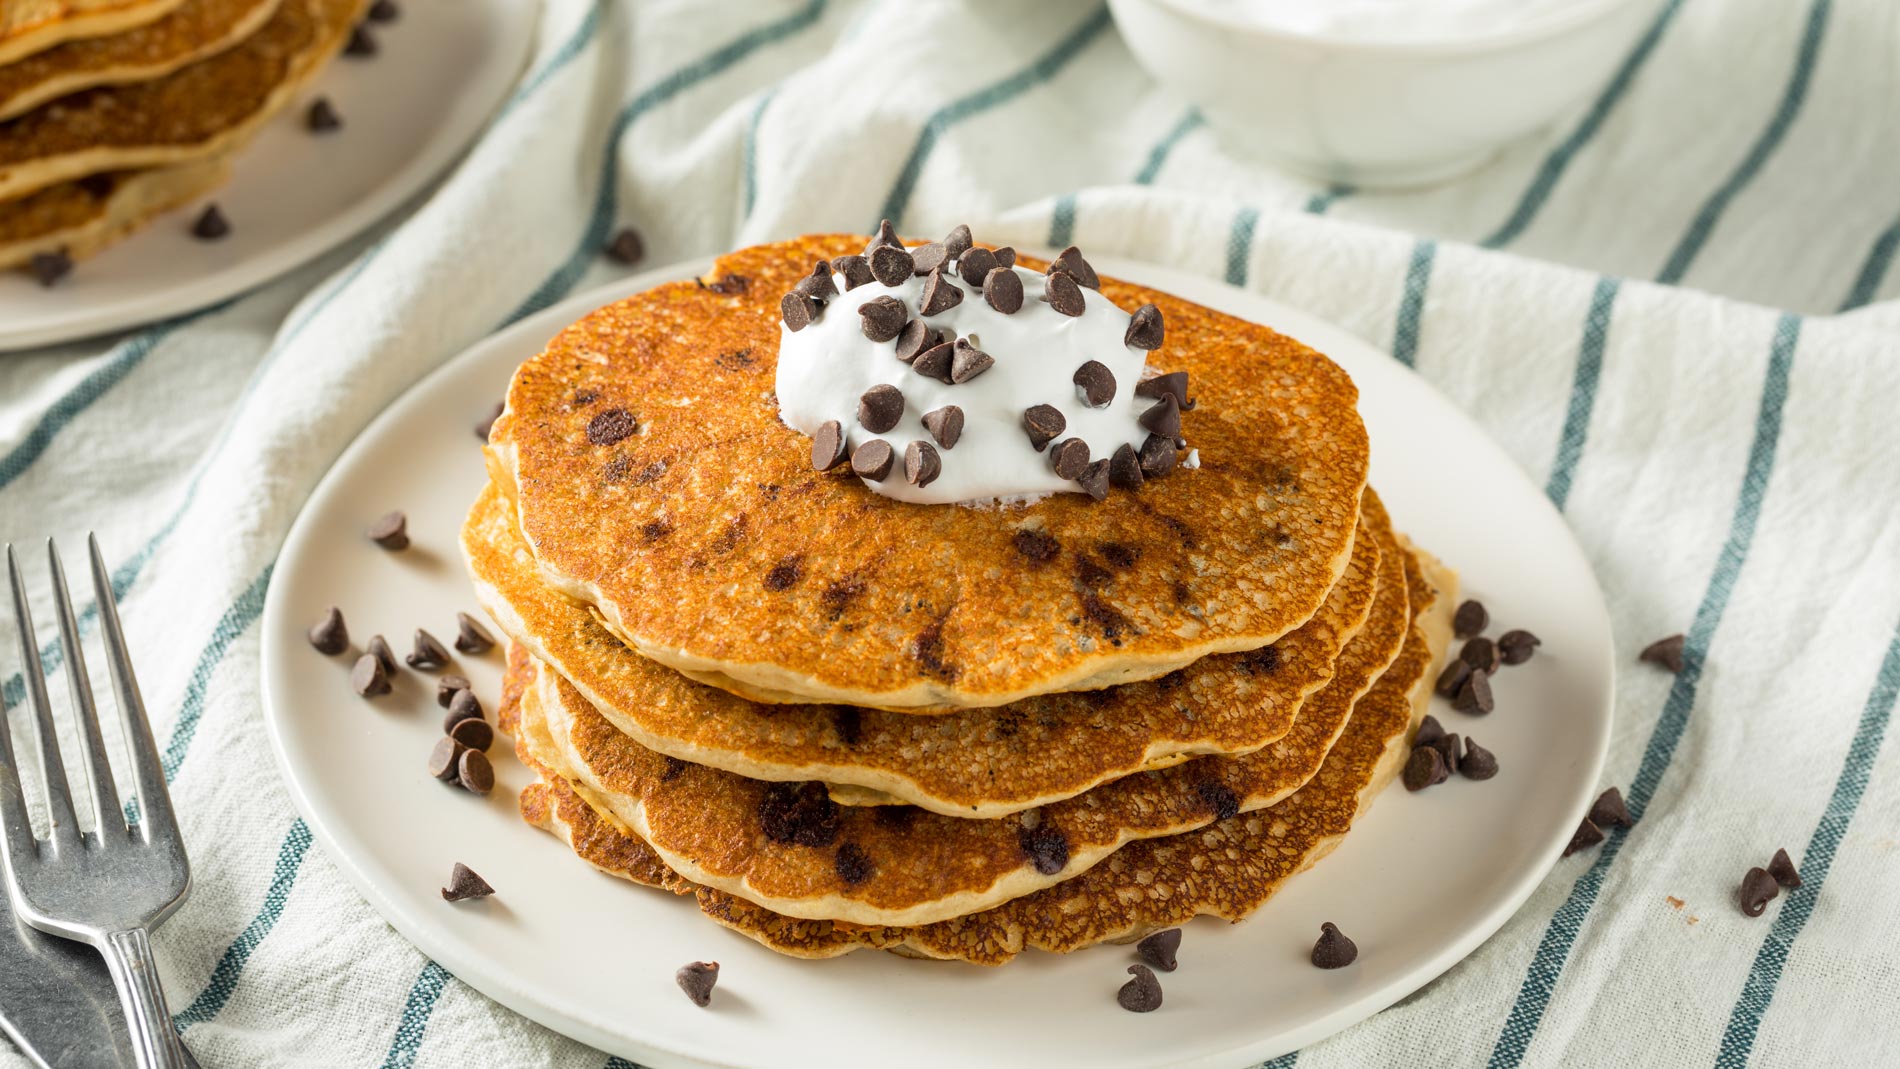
28, 26
1228, 869
979, 763
710, 545
203, 110
80, 218
196, 30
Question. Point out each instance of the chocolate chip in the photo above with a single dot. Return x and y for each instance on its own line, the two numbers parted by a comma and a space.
446, 686
1474, 696
361, 44
610, 426
211, 225
974, 265
1481, 654
940, 294
1478, 762
1470, 619
1005, 256
322, 117
883, 318
1609, 809
1063, 294
880, 407
50, 267
873, 460
798, 814
886, 238
727, 284
464, 884
385, 656
428, 653
1450, 748
891, 264
1425, 768
1040, 547
1159, 948
1163, 418
1043, 423
443, 759
626, 247
473, 769
464, 705
828, 447
1003, 289
1334, 950
852, 864
384, 11
1174, 382
916, 338
958, 241
1124, 468
1141, 994
1429, 731
1094, 384
1069, 457
1666, 652
1094, 480
367, 678
1046, 847
945, 425
1220, 798
936, 362
925, 259
1516, 647
98, 186
484, 426
922, 465
1157, 456
1452, 679
1757, 890
1783, 870
698, 978
329, 635
474, 734
798, 311
473, 638
1587, 835
391, 531
1144, 330
855, 269
967, 361
1070, 262
818, 285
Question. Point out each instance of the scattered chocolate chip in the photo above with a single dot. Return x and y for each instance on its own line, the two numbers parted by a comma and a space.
390, 532
446, 686
1005, 256
855, 269
1070, 262
1783, 870
379, 649
883, 318
945, 425
211, 224
1452, 679
1481, 654
1451, 748
367, 678
1157, 456
1163, 417
936, 362
852, 864
880, 407
727, 285
1063, 294
463, 884
798, 814
1094, 480
384, 11
940, 294
473, 638
484, 426
1474, 695
1478, 762
626, 247
1334, 950
798, 311
1094, 384
958, 241
474, 734
873, 460
818, 285
1159, 948
463, 706
1516, 647
50, 267
428, 653
322, 117
474, 771
329, 635
891, 264
1144, 330
1141, 994
1429, 731
974, 265
916, 338
1586, 836
927, 258
1124, 468
1425, 768
1470, 619
1046, 847
442, 759
698, 978
362, 44
1609, 809
610, 426
1043, 423
1174, 382
922, 465
1003, 289
828, 446
886, 238
1069, 457
1666, 652
1757, 890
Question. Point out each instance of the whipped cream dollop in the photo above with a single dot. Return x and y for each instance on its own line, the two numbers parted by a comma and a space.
827, 366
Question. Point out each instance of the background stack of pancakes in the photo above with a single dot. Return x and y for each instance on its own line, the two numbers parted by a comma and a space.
843, 721
113, 111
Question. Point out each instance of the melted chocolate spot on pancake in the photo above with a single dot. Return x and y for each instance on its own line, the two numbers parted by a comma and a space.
783, 576
848, 722
1090, 574
674, 766
853, 866
927, 647
840, 594
650, 472
654, 530
801, 814
727, 285
1220, 798
736, 360
611, 426
1104, 616
1046, 847
1117, 554
730, 538
897, 816
1265, 660
1172, 681
1039, 546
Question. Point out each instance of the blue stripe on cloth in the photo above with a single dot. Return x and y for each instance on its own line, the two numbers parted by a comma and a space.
752, 149
1874, 270
224, 977
1540, 982
1771, 137
236, 620
1559, 160
416, 1010
617, 1062
1240, 245
1320, 202
1284, 1061
1045, 67
583, 35
1583, 391
1738, 1041
1062, 222
1418, 277
607, 192
1158, 156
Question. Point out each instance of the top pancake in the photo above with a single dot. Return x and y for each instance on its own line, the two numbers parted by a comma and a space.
28, 26
710, 545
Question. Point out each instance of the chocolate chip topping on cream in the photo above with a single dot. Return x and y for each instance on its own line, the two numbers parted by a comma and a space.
967, 367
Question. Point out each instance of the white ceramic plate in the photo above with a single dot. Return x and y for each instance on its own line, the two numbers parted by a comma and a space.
594, 957
408, 113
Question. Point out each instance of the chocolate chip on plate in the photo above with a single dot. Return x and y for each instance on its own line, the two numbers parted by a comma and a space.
1666, 652
1449, 747
916, 338
967, 361
474, 734
1069, 458
1333, 950
975, 265
855, 269
428, 653
322, 117
799, 311
922, 465
1094, 480
1124, 468
958, 241
936, 361
1070, 262
362, 43
1003, 289
940, 294
1478, 762
1043, 423
464, 706
697, 980
384, 11
1425, 768
1609, 809
873, 460
891, 264
464, 884
379, 649
367, 678
49, 267
1516, 647
211, 224
945, 425
474, 771
483, 427
828, 446
1144, 330
1159, 948
818, 285
443, 759
1783, 870
1757, 890
1481, 654
329, 635
472, 639
1586, 836
886, 238
1094, 384
1157, 455
883, 318
1474, 695
880, 407
1470, 619
391, 531
611, 425
1141, 994
446, 687
1063, 294
1429, 731
1452, 679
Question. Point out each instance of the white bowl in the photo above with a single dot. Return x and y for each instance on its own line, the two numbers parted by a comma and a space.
1376, 113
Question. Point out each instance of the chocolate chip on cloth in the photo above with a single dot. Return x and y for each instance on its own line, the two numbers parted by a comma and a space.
891, 264
49, 267
880, 407
1516, 647
211, 225
940, 294
611, 426
1666, 652
1470, 619
329, 635
626, 247
473, 638
444, 760
922, 465
464, 884
1159, 948
1141, 994
367, 678
818, 285
1003, 289
1069, 458
1609, 809
1145, 330
391, 531
799, 311
916, 338
1094, 384
967, 361
474, 772
828, 446
873, 460
1070, 262
1586, 836
883, 318
1474, 696
1159, 386
1478, 762
1334, 950
1063, 295
1425, 768
1042, 423
379, 648
1783, 870
428, 653
1757, 890
697, 980
1481, 654
945, 425
322, 117
446, 686
855, 269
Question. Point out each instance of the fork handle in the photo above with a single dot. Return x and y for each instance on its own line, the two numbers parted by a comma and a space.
134, 971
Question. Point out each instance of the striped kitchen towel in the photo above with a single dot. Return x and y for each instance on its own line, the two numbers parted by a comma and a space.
1668, 308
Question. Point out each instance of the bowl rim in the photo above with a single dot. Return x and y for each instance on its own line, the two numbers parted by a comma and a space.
1537, 31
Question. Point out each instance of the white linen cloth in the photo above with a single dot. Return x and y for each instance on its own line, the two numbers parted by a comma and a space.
1682, 326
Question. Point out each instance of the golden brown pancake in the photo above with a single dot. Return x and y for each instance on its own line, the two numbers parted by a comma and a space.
710, 545
977, 763
80, 218
28, 26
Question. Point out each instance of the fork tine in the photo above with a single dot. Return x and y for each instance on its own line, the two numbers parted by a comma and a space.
16, 829
105, 796
59, 802
148, 775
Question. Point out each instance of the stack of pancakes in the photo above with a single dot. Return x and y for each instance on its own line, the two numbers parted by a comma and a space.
113, 111
842, 721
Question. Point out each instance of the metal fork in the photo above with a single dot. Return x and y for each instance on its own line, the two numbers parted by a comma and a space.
108, 887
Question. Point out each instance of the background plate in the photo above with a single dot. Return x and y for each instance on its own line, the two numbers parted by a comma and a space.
594, 957
408, 112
